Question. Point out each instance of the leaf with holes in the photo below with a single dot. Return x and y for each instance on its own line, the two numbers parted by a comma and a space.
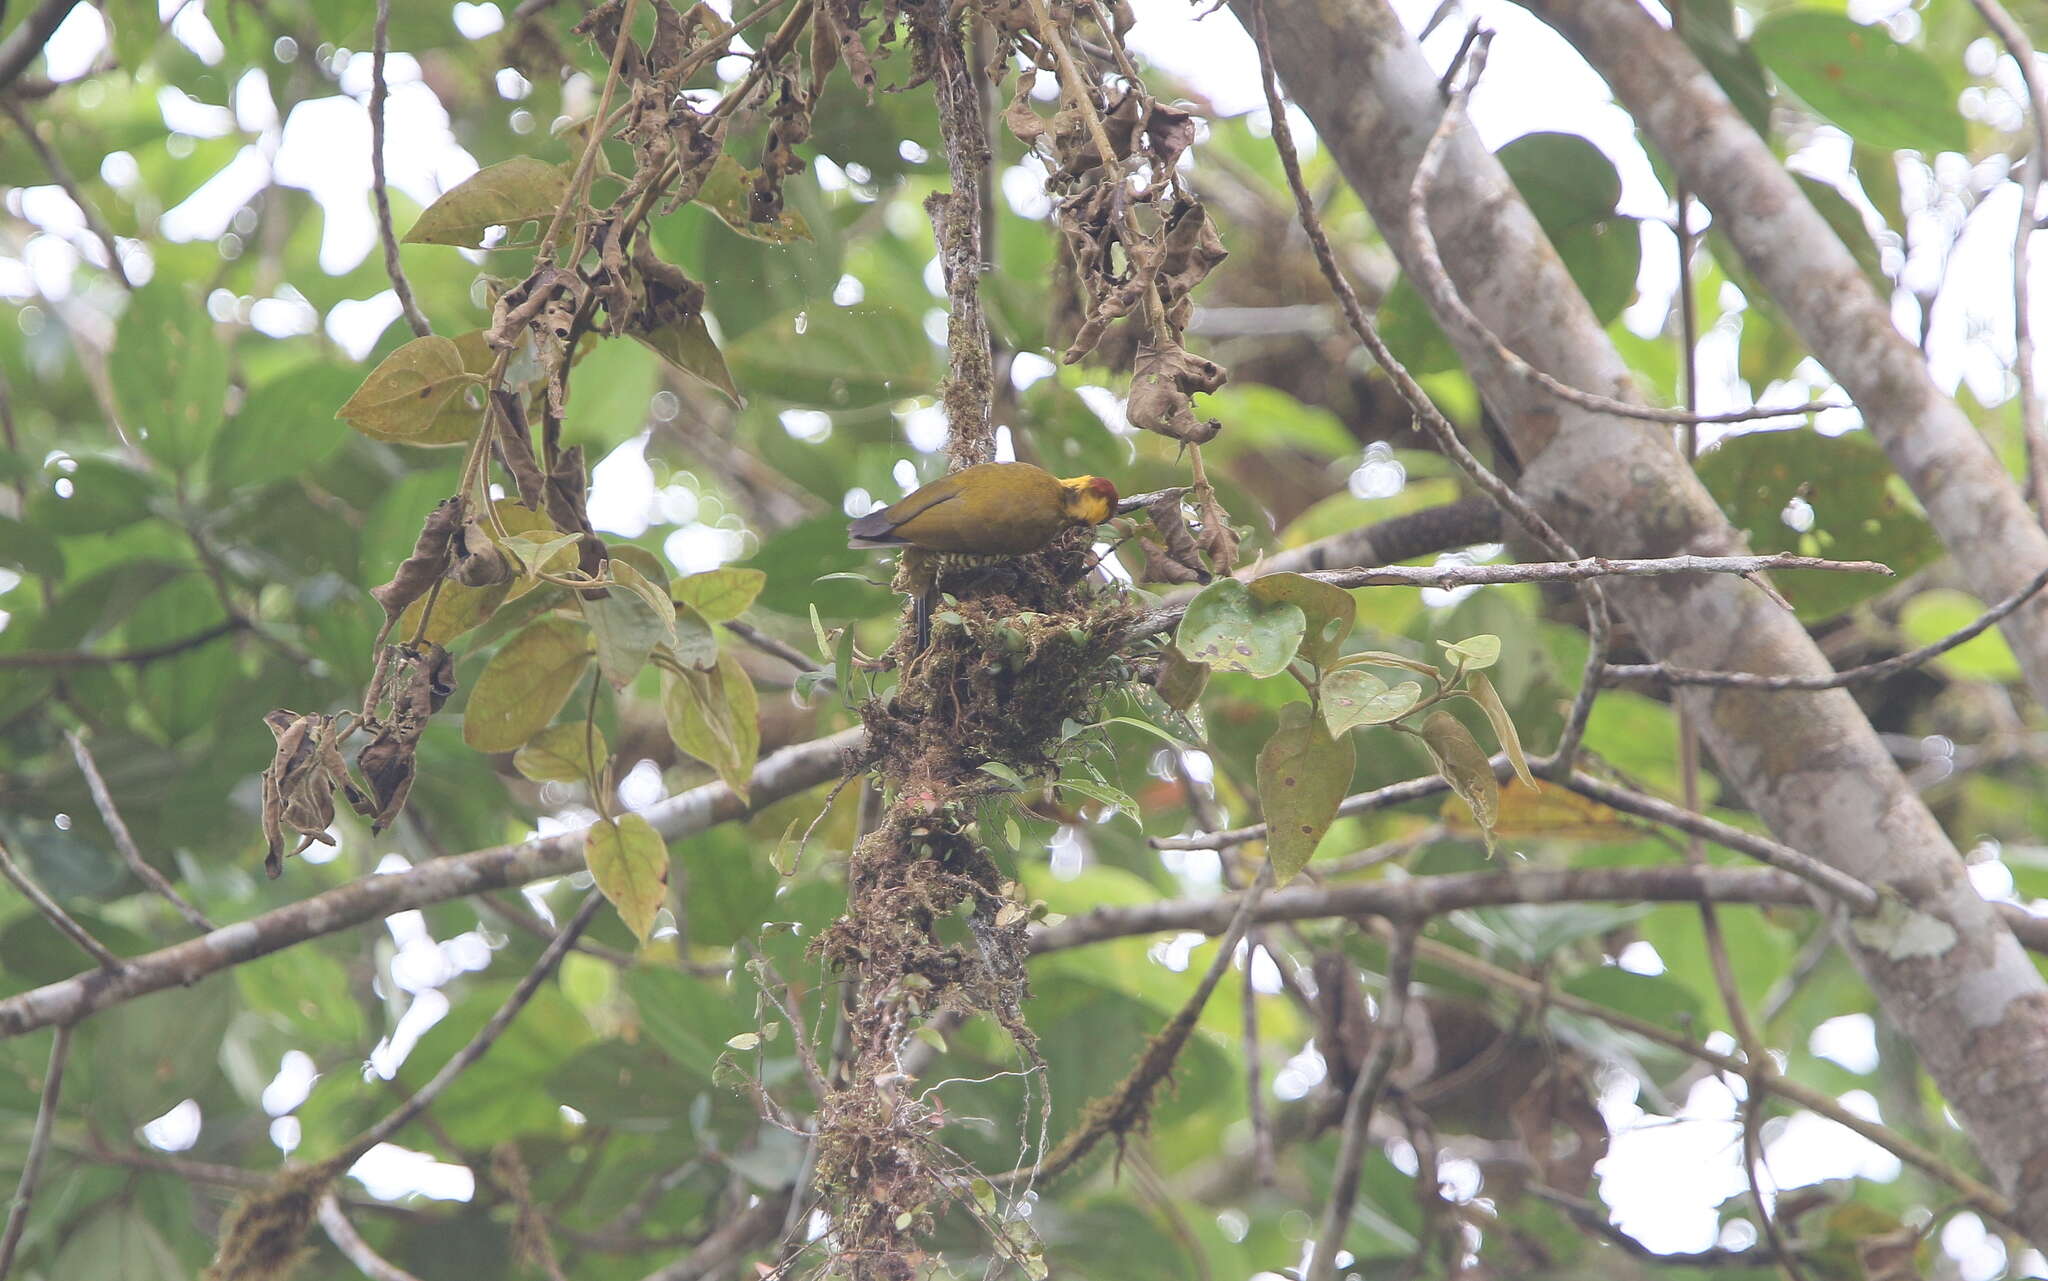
1329, 612
1303, 774
405, 394
1228, 628
507, 194
1352, 698
525, 684
629, 861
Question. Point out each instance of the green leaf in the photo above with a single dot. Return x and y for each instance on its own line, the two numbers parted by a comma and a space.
284, 427
1496, 711
1709, 31
1227, 627
1563, 178
627, 622
568, 753
836, 358
1387, 658
507, 194
1465, 766
1351, 698
714, 716
1858, 508
719, 595
1102, 792
525, 684
1303, 774
728, 192
542, 550
687, 344
629, 861
1474, 652
406, 392
1943, 611
170, 373
996, 769
103, 495
1328, 612
1858, 78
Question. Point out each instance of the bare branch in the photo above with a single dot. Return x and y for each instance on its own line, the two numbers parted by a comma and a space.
478, 1046
1670, 675
1389, 1031
123, 841
785, 773
1594, 1219
63, 920
139, 657
26, 41
351, 1244
380, 93
38, 1148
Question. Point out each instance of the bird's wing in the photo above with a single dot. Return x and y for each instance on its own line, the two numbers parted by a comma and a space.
878, 527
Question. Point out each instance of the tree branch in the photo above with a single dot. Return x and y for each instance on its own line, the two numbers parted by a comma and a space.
27, 40
352, 1246
38, 1148
787, 772
380, 93
139, 657
1389, 1031
123, 841
57, 916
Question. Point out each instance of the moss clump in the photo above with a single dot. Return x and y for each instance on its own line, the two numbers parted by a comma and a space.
263, 1237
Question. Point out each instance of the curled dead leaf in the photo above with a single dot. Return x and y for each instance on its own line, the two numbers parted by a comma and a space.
430, 556
1164, 380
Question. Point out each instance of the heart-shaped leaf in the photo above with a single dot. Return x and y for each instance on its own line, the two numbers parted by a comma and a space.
1303, 774
506, 194
629, 861
1229, 628
1352, 698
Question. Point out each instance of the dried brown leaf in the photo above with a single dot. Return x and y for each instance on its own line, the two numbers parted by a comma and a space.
1163, 380
430, 555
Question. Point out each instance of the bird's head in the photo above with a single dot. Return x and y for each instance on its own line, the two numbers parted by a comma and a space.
1087, 500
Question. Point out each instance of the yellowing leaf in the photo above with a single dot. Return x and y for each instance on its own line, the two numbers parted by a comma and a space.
714, 716
1465, 766
458, 608
571, 753
463, 413
719, 594
506, 194
687, 344
1546, 811
1474, 651
629, 861
404, 394
1303, 774
525, 684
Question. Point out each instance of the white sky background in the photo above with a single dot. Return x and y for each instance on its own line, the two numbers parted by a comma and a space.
1664, 1178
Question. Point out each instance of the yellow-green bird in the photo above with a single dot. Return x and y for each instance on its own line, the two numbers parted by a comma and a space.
993, 509
989, 510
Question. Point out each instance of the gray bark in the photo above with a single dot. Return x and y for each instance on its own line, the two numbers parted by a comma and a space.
1945, 969
1972, 501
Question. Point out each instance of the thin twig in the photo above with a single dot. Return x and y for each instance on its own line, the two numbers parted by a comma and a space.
1594, 1218
138, 657
123, 841
1438, 427
1670, 675
27, 40
1129, 1102
38, 1148
1389, 1031
770, 645
478, 1046
61, 175
380, 93
2033, 419
546, 252
57, 916
1982, 1198
1435, 284
350, 1242
521, 919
